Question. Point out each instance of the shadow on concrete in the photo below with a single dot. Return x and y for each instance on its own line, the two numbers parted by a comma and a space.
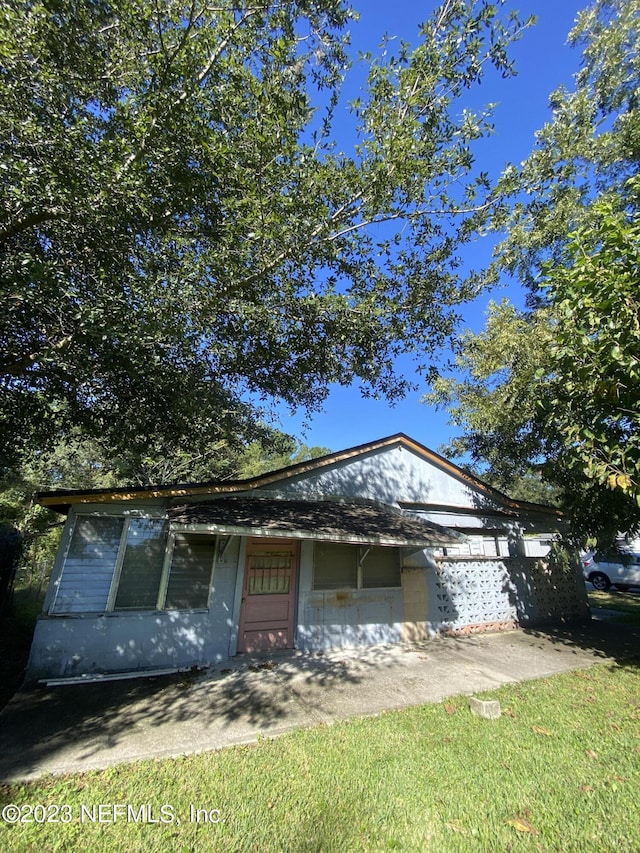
79, 727
603, 639
240, 697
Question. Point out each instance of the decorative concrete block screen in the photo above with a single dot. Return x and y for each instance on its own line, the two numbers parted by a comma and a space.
476, 594
465, 592
547, 592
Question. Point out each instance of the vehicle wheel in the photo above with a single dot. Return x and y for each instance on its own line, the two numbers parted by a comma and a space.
622, 587
600, 581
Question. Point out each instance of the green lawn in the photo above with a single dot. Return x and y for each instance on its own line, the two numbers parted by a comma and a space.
628, 603
559, 771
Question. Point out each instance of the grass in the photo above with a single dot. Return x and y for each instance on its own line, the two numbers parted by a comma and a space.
627, 603
559, 771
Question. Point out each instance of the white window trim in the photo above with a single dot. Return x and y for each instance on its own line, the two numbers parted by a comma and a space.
62, 562
166, 571
77, 517
117, 570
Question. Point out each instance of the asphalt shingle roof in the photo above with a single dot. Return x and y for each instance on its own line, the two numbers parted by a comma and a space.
338, 520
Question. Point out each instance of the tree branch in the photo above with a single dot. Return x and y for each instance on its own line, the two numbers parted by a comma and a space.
202, 76
30, 221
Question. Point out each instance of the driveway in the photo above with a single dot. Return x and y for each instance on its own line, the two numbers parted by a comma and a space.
80, 727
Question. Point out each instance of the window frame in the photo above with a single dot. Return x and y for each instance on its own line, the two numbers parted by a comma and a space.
166, 572
361, 553
117, 571
165, 575
52, 597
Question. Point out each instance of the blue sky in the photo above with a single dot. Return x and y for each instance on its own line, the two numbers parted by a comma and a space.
543, 62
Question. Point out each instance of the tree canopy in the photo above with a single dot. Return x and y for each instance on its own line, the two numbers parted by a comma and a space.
183, 238
586, 152
78, 463
556, 387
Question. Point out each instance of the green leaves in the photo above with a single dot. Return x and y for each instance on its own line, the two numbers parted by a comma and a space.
494, 392
597, 352
557, 387
589, 148
183, 239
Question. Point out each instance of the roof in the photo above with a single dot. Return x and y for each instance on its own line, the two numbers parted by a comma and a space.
364, 522
62, 499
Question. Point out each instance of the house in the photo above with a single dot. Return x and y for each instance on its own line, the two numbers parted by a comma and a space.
381, 543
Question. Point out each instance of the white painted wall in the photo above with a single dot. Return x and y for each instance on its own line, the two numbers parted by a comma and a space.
64, 646
342, 619
389, 474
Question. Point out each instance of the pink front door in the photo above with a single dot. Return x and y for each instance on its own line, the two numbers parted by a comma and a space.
268, 595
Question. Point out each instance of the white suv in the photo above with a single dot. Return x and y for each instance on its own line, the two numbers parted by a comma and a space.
621, 570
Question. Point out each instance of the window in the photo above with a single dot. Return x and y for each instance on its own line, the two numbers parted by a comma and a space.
141, 568
269, 572
338, 566
86, 578
121, 564
381, 567
335, 566
190, 574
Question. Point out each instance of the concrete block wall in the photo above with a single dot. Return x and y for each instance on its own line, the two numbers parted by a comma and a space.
350, 618
547, 593
494, 593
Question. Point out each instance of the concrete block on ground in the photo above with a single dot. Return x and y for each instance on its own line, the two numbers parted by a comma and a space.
487, 708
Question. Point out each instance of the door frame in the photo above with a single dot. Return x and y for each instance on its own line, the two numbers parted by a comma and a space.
261, 543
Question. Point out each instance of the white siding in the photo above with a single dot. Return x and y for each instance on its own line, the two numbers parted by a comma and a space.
390, 474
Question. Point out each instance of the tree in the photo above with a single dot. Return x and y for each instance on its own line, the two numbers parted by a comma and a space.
589, 150
78, 463
591, 386
255, 461
183, 241
493, 395
557, 386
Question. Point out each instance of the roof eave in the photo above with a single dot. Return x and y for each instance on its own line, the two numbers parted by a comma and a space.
439, 537
62, 500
